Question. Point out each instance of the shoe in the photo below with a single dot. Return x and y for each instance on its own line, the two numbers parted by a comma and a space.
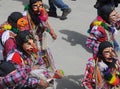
65, 13
52, 13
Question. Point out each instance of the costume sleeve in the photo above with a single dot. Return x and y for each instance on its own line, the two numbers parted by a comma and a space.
88, 76
111, 78
108, 73
32, 82
18, 77
50, 29
9, 45
43, 15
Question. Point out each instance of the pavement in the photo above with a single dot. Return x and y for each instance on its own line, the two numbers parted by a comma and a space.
69, 50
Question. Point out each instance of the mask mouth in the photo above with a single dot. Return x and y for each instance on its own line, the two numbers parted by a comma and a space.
29, 51
34, 50
110, 58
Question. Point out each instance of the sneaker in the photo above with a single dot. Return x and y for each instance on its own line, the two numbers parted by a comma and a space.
52, 13
65, 13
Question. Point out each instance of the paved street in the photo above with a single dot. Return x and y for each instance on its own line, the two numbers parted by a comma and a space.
69, 51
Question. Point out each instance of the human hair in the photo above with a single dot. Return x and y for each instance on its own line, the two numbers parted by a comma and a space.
33, 1
105, 11
21, 38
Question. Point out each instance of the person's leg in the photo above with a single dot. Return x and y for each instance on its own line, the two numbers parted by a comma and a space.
52, 10
60, 4
52, 6
64, 7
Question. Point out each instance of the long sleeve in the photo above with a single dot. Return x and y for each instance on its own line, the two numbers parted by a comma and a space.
88, 76
32, 82
18, 77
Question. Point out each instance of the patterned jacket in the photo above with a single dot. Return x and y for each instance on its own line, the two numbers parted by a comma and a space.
98, 73
99, 31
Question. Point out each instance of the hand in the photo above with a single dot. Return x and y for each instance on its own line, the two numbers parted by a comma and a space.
58, 74
43, 83
54, 36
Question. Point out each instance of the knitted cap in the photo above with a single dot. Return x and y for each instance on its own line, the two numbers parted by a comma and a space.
104, 45
33, 1
13, 18
105, 11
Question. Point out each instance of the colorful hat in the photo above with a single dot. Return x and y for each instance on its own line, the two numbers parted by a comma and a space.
13, 18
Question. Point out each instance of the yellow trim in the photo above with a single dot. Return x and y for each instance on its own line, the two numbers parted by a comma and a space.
97, 23
113, 79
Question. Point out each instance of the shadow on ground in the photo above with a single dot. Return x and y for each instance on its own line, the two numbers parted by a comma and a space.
70, 82
75, 38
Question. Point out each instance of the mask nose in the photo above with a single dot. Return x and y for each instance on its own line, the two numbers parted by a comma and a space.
112, 54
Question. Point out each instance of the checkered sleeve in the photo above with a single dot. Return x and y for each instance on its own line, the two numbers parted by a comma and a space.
88, 76
18, 77
32, 82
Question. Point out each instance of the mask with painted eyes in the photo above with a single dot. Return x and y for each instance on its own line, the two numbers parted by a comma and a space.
30, 46
109, 54
101, 47
106, 51
114, 18
37, 6
24, 37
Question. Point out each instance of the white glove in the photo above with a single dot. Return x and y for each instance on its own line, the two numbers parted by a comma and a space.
102, 66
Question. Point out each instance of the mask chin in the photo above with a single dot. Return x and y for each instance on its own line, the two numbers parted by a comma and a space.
29, 51
109, 59
35, 50
32, 51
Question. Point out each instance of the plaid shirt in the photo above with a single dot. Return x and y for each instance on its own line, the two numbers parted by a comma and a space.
92, 42
89, 81
97, 35
20, 76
